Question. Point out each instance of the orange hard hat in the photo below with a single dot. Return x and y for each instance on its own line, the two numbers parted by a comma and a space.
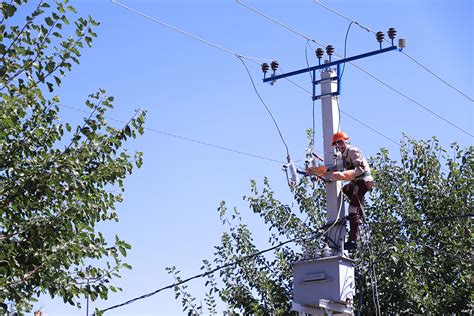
339, 136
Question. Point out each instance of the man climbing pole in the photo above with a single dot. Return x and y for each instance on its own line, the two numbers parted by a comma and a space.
357, 171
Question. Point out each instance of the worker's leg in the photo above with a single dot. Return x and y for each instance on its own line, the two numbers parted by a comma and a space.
362, 188
350, 190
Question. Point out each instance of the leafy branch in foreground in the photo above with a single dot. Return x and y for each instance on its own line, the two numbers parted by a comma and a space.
55, 179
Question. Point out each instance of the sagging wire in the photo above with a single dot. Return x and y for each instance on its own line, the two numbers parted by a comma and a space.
292, 178
373, 273
290, 211
249, 58
290, 166
312, 79
404, 53
253, 59
313, 101
364, 71
416, 221
274, 21
196, 141
233, 263
335, 222
312, 154
345, 49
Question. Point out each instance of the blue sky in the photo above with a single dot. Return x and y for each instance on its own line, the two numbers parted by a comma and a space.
200, 92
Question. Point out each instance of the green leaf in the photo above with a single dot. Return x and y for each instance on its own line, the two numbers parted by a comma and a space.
49, 21
88, 40
72, 9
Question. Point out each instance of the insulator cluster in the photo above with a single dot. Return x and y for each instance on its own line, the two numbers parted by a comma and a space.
392, 32
274, 64
329, 50
379, 36
319, 53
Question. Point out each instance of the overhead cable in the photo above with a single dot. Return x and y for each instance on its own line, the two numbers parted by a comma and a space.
412, 100
275, 21
413, 59
313, 103
239, 260
416, 221
371, 128
373, 272
345, 49
252, 59
387, 85
266, 107
187, 138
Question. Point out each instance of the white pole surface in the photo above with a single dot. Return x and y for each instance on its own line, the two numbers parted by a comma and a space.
330, 117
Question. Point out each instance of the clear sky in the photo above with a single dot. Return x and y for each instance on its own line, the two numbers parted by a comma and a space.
194, 90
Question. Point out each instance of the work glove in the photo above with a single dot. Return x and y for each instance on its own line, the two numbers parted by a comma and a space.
317, 170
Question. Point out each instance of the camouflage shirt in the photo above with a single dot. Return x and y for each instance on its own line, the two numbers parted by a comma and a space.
354, 160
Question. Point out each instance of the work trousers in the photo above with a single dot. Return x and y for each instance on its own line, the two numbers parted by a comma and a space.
355, 191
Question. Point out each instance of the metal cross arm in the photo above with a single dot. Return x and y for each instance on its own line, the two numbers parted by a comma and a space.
326, 65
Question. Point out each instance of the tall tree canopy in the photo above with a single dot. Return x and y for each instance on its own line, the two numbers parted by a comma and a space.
57, 181
418, 227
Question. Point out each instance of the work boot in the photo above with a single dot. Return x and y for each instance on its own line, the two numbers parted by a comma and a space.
354, 222
350, 245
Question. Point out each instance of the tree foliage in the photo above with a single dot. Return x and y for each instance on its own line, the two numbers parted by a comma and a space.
55, 179
417, 224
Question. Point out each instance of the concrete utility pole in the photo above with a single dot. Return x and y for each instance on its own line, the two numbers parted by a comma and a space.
334, 199
323, 282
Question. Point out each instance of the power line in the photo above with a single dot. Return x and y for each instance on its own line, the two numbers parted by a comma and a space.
313, 100
415, 102
266, 107
347, 114
404, 53
371, 128
438, 77
239, 260
387, 85
253, 59
275, 21
432, 219
234, 54
345, 49
187, 138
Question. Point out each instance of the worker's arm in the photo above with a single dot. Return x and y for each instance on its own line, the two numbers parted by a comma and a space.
346, 175
358, 161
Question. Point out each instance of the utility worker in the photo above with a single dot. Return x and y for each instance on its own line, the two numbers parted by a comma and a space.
357, 171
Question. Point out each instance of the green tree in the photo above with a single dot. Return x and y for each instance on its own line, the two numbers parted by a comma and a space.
417, 224
56, 181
